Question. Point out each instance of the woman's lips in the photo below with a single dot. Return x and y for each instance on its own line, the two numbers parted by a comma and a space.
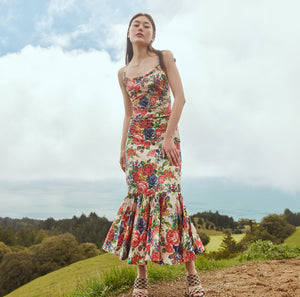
139, 35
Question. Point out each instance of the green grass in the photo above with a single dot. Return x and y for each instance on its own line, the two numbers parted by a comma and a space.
216, 240
64, 280
294, 239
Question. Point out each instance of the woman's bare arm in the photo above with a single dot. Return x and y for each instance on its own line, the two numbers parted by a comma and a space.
179, 101
127, 116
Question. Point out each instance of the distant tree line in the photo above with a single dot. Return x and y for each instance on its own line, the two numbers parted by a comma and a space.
17, 224
218, 222
292, 218
20, 266
27, 232
214, 220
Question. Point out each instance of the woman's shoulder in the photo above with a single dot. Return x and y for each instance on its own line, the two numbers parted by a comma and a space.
168, 55
121, 71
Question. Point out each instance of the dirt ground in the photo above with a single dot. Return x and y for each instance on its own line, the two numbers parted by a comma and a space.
278, 278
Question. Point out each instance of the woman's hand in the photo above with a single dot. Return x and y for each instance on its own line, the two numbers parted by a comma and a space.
122, 159
169, 149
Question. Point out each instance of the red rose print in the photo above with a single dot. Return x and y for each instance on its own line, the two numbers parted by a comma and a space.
147, 143
130, 86
137, 87
199, 244
144, 123
133, 129
111, 234
161, 179
135, 259
120, 239
144, 237
125, 219
173, 237
153, 99
156, 256
158, 132
148, 169
184, 222
188, 256
135, 239
138, 138
142, 187
136, 177
148, 247
150, 192
169, 248
151, 153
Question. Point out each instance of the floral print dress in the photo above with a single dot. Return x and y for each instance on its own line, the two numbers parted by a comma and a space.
152, 223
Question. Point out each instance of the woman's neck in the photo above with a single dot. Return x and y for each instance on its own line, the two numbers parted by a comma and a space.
140, 53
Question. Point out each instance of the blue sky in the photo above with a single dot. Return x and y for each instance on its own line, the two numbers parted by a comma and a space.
61, 109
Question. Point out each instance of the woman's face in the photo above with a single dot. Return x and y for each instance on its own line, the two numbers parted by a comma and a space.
141, 30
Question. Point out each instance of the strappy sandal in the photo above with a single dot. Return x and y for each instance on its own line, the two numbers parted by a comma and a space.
139, 285
193, 280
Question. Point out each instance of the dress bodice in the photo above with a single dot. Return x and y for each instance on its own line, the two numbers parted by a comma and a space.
149, 94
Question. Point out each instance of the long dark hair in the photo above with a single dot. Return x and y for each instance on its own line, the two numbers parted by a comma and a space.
129, 49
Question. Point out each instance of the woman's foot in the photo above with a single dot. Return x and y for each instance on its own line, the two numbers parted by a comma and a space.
140, 287
193, 285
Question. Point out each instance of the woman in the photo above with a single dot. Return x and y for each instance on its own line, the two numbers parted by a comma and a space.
152, 223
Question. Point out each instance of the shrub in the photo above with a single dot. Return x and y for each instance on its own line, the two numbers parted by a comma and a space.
3, 250
277, 227
266, 250
272, 227
204, 238
88, 250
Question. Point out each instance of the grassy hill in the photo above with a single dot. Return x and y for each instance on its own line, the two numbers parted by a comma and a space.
63, 281
294, 239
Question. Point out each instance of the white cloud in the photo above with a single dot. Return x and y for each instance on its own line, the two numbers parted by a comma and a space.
58, 6
58, 110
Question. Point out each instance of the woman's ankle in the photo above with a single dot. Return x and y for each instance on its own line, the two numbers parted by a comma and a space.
142, 271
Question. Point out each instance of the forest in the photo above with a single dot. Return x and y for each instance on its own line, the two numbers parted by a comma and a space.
27, 232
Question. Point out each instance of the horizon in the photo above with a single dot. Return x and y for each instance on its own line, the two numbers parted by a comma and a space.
42, 199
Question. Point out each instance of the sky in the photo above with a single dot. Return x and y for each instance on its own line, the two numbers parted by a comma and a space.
61, 108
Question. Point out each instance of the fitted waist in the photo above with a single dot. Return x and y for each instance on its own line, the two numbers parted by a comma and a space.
149, 116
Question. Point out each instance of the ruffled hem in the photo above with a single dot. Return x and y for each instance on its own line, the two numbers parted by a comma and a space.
153, 228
